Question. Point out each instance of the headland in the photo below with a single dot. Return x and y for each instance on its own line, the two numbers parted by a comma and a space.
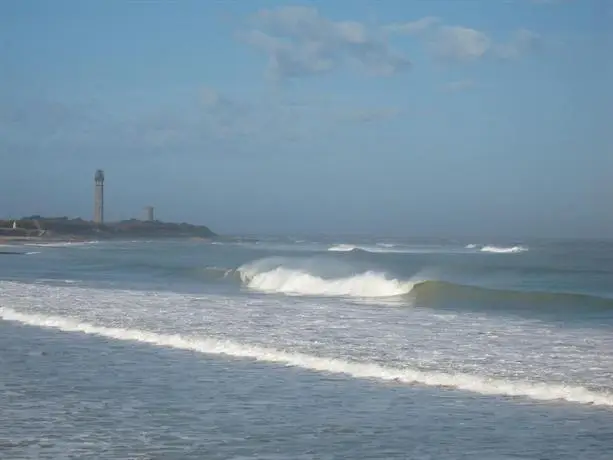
64, 228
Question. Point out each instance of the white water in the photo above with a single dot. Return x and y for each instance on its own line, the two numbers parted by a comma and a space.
504, 250
297, 282
62, 244
487, 355
383, 248
477, 384
342, 248
497, 249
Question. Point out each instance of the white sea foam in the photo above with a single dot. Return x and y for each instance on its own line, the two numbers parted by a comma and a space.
382, 248
474, 383
342, 248
320, 277
390, 248
295, 282
503, 249
62, 244
308, 277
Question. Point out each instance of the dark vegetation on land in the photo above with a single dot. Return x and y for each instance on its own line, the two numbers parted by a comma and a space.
66, 228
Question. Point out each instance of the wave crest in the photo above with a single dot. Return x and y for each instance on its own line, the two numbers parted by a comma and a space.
343, 248
268, 276
503, 249
379, 248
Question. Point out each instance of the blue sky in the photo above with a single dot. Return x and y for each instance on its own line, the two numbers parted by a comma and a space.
441, 118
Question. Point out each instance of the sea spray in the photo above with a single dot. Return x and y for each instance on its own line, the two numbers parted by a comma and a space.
368, 284
319, 278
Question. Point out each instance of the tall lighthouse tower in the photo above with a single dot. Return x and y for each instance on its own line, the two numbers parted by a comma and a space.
99, 197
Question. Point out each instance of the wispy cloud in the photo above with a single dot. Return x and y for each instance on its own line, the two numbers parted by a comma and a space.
372, 114
414, 27
523, 42
300, 42
459, 85
460, 43
464, 44
211, 123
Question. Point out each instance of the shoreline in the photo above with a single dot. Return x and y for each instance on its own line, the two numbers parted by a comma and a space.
62, 229
16, 240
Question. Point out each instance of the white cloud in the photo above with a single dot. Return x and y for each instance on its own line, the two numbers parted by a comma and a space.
299, 42
412, 28
461, 43
464, 44
523, 41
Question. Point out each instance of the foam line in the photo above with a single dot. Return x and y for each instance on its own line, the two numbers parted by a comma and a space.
503, 250
473, 383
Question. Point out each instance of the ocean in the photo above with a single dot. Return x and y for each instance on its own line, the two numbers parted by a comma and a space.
307, 348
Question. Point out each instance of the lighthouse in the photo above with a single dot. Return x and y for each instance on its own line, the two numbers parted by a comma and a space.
99, 197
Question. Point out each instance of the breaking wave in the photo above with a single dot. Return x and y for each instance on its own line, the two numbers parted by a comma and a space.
386, 248
342, 248
379, 248
497, 249
543, 391
277, 276
503, 249
328, 278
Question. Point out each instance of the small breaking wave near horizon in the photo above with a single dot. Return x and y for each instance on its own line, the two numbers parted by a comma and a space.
382, 248
392, 248
504, 250
494, 249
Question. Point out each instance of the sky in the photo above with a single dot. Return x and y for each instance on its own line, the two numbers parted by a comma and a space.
392, 117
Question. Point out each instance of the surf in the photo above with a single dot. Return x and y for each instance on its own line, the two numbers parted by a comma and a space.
493, 249
318, 278
322, 277
504, 249
542, 391
388, 248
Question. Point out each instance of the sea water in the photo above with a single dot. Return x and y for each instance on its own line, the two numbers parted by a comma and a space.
307, 348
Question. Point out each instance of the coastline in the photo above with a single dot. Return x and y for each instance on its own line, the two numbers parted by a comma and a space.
39, 229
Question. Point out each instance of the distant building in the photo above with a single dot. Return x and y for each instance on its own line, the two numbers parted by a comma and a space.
99, 197
149, 213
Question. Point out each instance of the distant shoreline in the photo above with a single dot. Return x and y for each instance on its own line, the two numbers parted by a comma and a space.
36, 228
